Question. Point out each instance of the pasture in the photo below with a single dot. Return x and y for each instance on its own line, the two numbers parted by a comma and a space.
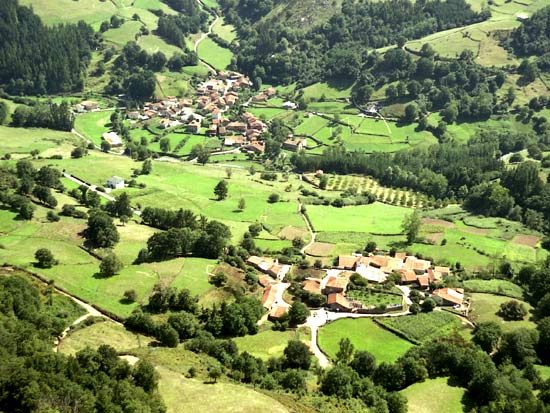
364, 334
373, 298
93, 125
376, 218
268, 343
215, 55
495, 286
424, 326
181, 394
103, 332
434, 396
485, 307
20, 142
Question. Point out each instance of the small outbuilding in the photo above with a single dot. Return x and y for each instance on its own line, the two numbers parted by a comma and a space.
115, 182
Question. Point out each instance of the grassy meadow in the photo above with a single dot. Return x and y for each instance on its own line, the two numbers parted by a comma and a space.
213, 54
485, 307
103, 332
364, 334
434, 396
268, 343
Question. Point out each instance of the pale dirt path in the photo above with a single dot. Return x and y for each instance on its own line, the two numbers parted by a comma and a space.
309, 228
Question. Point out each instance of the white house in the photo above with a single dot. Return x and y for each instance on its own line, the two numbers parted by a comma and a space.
112, 138
115, 182
289, 105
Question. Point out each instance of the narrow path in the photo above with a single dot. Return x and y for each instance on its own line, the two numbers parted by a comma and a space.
94, 189
309, 228
317, 319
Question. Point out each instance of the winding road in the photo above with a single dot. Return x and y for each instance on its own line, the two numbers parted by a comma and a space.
309, 228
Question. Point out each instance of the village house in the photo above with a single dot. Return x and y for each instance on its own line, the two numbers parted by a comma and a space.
338, 302
194, 126
89, 105
256, 147
450, 296
237, 127
289, 105
212, 130
134, 115
259, 98
237, 140
277, 311
270, 92
312, 285
269, 266
295, 144
335, 284
112, 139
115, 182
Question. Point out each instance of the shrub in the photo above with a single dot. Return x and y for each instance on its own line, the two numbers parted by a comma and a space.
273, 198
512, 310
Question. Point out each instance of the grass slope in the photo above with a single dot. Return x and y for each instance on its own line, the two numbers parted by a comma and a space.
364, 335
434, 396
424, 326
485, 307
192, 395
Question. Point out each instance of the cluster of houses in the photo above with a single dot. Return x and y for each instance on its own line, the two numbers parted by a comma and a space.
273, 275
414, 272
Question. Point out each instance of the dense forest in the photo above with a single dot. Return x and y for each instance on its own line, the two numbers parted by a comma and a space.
34, 378
533, 36
175, 28
35, 59
274, 52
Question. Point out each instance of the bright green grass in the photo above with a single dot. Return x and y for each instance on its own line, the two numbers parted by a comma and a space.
193, 395
123, 34
24, 140
311, 125
485, 306
268, 113
332, 90
172, 84
434, 396
199, 70
375, 218
501, 287
544, 371
364, 334
332, 107
215, 55
225, 31
424, 326
193, 275
272, 245
152, 44
70, 11
105, 332
93, 125
76, 271
267, 343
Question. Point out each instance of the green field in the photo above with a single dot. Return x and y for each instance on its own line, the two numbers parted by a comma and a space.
103, 332
213, 54
21, 141
500, 287
333, 90
485, 307
434, 396
268, 343
375, 218
93, 125
424, 326
188, 395
364, 335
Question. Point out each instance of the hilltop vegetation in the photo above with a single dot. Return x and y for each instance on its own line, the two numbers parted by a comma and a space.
35, 59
